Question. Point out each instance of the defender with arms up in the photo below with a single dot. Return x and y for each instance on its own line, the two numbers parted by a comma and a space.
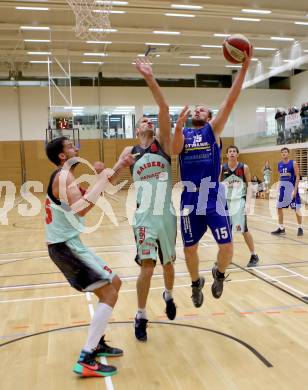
155, 223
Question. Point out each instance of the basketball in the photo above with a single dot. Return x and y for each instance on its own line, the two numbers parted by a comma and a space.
234, 48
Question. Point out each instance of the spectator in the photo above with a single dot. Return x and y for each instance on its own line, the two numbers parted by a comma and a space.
304, 110
278, 118
267, 172
256, 186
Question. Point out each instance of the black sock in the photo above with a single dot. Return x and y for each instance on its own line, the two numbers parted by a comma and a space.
196, 283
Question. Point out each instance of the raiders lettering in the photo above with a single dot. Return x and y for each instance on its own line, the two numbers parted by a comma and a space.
149, 165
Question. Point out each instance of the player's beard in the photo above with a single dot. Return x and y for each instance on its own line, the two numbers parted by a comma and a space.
198, 122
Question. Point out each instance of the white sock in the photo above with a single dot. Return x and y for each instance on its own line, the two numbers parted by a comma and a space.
167, 294
141, 313
98, 326
281, 227
300, 226
253, 253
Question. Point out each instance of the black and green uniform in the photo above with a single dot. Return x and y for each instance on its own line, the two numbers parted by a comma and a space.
236, 191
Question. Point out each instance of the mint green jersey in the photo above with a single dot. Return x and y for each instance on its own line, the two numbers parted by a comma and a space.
61, 224
155, 220
152, 172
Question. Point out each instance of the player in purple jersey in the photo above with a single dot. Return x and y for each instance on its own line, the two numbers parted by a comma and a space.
202, 205
288, 195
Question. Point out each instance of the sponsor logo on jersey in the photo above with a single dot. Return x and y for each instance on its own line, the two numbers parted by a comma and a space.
141, 234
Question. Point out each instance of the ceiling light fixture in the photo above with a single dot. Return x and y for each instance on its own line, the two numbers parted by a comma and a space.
181, 15
107, 30
265, 48
212, 46
34, 28
107, 2
40, 62
256, 11
166, 32
157, 44
282, 39
96, 54
184, 6
92, 62
39, 53
100, 42
189, 64
302, 23
32, 8
38, 40
102, 11
246, 19
201, 57
222, 35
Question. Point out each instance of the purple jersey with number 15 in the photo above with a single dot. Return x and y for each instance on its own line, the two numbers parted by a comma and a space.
200, 158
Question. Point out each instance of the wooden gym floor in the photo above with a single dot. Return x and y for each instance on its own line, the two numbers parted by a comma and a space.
254, 337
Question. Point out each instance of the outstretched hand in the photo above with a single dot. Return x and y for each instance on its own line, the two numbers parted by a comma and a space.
144, 67
182, 119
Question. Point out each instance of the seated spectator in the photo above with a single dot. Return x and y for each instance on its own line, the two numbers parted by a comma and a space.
278, 118
304, 110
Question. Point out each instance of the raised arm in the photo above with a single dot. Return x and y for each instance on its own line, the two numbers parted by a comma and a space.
145, 69
178, 137
218, 123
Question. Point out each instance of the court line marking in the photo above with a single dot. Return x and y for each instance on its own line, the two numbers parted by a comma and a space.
257, 354
274, 279
254, 279
272, 283
293, 272
135, 266
286, 221
123, 278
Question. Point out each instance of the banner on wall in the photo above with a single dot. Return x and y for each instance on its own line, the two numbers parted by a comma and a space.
292, 120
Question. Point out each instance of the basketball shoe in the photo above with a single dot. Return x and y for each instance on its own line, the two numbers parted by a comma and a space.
105, 350
87, 366
197, 294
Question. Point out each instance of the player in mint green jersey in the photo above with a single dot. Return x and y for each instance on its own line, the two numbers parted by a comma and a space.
66, 205
155, 220
236, 177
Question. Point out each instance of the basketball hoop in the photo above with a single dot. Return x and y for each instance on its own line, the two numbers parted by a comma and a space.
92, 18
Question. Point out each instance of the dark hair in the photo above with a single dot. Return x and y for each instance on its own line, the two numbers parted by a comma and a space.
210, 114
285, 148
54, 148
232, 147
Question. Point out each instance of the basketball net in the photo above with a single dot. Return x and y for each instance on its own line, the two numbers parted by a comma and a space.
92, 18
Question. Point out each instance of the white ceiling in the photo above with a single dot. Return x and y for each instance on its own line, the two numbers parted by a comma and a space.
135, 27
